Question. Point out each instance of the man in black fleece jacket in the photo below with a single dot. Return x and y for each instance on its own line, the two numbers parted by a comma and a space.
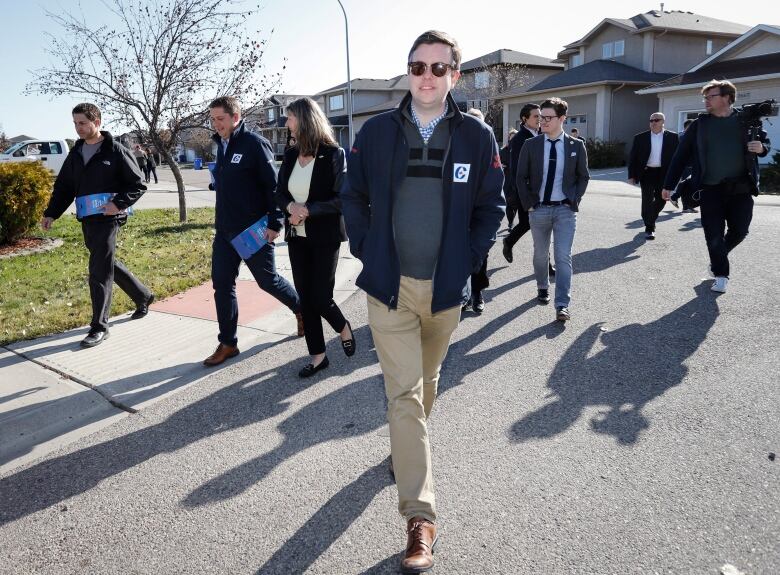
98, 169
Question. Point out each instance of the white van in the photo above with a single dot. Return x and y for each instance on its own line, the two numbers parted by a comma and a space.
51, 153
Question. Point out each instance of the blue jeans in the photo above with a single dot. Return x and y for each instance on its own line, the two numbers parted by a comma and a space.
560, 223
225, 262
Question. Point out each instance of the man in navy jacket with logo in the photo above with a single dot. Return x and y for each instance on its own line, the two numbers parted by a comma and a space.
245, 181
422, 204
100, 166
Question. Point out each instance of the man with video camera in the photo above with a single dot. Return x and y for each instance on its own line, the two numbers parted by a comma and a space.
723, 146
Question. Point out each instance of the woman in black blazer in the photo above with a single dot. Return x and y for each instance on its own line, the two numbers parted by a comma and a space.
310, 179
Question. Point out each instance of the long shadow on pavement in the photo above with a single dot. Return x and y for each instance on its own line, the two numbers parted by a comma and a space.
332, 519
638, 364
260, 396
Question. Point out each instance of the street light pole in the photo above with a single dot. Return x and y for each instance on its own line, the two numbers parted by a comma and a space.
349, 78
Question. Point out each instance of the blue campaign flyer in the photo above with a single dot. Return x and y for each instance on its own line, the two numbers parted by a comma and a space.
93, 204
249, 242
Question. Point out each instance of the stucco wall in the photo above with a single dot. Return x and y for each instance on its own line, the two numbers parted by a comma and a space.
677, 53
633, 46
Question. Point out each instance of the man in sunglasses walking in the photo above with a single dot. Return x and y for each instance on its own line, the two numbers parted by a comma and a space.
422, 204
651, 155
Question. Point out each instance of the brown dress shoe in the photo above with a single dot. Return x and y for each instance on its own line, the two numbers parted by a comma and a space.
299, 317
421, 539
222, 353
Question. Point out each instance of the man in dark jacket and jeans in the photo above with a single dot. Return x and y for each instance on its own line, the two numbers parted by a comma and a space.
245, 181
104, 179
724, 152
422, 205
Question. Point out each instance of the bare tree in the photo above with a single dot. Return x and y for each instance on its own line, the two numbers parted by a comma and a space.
157, 65
5, 143
484, 84
199, 139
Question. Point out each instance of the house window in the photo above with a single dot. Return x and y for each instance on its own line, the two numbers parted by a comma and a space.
481, 105
709, 48
481, 80
606, 50
620, 48
687, 115
336, 102
576, 60
271, 114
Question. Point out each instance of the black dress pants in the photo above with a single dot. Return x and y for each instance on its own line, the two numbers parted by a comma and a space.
719, 209
314, 274
479, 281
521, 227
652, 183
105, 269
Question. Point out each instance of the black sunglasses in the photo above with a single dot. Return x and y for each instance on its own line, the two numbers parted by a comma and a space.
438, 69
656, 120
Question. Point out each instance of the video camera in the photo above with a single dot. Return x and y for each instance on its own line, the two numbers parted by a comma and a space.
751, 114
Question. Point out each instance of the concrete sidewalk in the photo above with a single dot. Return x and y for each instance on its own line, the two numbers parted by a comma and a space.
55, 392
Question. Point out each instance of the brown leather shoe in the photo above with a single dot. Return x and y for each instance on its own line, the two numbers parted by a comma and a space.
299, 317
222, 353
421, 539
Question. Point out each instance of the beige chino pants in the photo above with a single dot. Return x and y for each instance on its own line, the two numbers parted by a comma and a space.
411, 343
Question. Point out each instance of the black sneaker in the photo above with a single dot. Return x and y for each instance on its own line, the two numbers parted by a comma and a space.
479, 304
142, 309
562, 314
543, 296
94, 337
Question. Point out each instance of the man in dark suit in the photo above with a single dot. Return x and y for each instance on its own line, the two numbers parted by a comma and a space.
529, 118
552, 175
651, 155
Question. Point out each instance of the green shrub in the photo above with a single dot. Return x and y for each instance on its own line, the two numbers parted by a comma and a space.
605, 153
770, 176
25, 188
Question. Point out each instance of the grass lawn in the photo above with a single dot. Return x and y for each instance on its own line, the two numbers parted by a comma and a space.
47, 293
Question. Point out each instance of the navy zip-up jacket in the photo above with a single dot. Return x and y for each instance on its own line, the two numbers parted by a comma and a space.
111, 170
245, 181
472, 181
692, 152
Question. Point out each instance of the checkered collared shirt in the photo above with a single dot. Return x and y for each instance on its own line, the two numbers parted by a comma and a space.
427, 131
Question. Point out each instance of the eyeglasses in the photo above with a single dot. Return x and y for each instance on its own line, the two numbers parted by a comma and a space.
438, 69
548, 118
656, 120
710, 97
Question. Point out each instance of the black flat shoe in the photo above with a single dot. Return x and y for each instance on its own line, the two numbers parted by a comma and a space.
348, 345
311, 369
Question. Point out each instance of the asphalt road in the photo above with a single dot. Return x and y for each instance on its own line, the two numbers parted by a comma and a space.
639, 438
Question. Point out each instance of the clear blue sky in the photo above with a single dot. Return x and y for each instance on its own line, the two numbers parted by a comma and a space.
310, 34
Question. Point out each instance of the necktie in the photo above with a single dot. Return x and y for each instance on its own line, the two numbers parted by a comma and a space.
548, 185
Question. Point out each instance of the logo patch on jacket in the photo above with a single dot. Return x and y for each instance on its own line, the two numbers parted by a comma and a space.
460, 172
106, 162
236, 158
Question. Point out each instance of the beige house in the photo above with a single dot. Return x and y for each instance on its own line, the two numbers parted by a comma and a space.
369, 97
752, 62
607, 68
